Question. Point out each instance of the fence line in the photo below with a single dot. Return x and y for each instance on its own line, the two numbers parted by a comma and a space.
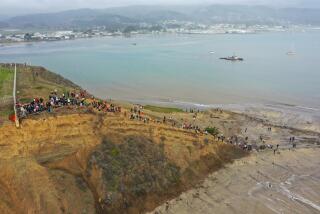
15, 97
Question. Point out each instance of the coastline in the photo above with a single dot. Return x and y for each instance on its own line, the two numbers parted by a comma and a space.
277, 114
123, 35
81, 131
149, 72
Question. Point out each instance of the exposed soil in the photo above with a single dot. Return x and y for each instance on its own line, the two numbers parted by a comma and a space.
86, 163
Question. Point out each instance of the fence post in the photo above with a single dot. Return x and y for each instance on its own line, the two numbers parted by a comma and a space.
14, 96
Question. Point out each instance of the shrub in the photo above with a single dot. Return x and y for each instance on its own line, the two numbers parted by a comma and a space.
212, 130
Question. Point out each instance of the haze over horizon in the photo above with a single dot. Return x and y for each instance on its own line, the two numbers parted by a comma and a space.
19, 7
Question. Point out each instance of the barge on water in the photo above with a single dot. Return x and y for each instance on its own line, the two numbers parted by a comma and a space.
232, 58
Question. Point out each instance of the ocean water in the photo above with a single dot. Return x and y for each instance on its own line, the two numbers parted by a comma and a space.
180, 68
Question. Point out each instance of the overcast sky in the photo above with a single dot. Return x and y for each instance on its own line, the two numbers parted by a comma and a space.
36, 6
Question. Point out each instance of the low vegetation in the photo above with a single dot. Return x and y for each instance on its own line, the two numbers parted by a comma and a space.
6, 81
132, 169
39, 82
31, 82
162, 109
6, 87
212, 130
5, 112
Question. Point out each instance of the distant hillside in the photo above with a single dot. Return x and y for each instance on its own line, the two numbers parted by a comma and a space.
257, 14
66, 19
125, 16
3, 17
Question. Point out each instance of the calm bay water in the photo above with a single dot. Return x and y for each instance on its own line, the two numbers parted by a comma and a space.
180, 67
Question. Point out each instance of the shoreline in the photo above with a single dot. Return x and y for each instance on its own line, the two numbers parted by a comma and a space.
286, 183
80, 131
9, 43
213, 70
272, 113
277, 114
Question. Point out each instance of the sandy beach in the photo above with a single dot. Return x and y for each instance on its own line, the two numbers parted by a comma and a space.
262, 183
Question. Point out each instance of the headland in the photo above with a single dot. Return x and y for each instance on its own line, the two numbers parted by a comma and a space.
75, 153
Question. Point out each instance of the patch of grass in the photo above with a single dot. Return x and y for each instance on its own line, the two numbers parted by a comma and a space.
162, 109
5, 112
114, 152
39, 87
6, 81
25, 100
39, 82
212, 130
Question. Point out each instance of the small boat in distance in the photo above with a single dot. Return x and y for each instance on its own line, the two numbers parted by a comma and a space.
291, 53
211, 52
232, 58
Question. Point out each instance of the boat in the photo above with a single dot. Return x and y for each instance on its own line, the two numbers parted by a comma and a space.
211, 52
291, 53
232, 58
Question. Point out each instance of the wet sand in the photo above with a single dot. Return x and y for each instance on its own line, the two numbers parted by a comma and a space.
287, 182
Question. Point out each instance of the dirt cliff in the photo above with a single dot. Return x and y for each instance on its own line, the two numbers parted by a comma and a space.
91, 162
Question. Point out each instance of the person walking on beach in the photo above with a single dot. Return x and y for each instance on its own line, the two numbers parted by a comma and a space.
291, 139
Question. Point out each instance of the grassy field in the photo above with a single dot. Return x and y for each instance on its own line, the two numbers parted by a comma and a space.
162, 109
37, 82
6, 87
6, 82
31, 82
5, 112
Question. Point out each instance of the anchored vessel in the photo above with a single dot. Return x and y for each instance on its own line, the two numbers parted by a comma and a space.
232, 58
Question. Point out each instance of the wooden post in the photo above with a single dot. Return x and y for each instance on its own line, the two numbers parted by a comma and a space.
14, 96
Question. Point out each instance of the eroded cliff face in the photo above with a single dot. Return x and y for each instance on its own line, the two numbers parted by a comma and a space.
99, 163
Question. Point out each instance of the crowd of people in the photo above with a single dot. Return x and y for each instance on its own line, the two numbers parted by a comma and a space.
189, 126
38, 105
138, 114
241, 143
79, 99
104, 106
